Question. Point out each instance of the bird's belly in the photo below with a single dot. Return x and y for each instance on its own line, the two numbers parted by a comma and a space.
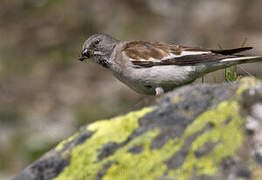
145, 80
136, 84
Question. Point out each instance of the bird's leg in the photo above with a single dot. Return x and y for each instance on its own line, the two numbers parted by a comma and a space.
159, 91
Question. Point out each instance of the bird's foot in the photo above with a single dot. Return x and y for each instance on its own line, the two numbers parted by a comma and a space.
159, 91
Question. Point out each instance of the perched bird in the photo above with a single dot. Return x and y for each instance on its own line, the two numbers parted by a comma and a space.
154, 67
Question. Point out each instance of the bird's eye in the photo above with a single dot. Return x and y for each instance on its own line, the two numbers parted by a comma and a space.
84, 52
97, 42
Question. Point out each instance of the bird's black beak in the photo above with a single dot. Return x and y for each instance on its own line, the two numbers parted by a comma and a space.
85, 54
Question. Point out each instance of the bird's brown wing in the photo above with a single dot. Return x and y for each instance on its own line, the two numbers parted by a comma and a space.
141, 50
148, 54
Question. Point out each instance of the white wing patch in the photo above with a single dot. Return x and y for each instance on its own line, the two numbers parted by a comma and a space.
172, 56
185, 53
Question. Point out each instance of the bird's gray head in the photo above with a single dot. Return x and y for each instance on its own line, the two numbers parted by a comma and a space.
98, 47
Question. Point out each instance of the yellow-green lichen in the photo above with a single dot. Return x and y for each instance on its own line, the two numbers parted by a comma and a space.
133, 166
84, 162
246, 83
61, 145
241, 178
227, 135
151, 163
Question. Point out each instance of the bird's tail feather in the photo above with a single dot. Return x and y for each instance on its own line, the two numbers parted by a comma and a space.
231, 51
230, 61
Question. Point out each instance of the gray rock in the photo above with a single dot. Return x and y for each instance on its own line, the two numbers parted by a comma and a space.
205, 132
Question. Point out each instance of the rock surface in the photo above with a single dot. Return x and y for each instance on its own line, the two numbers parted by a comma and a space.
205, 132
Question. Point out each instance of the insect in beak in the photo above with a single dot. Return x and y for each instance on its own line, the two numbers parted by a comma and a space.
85, 54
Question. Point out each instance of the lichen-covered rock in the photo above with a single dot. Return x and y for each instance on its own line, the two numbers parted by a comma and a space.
199, 132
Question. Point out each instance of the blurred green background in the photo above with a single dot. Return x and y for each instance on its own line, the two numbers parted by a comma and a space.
46, 94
